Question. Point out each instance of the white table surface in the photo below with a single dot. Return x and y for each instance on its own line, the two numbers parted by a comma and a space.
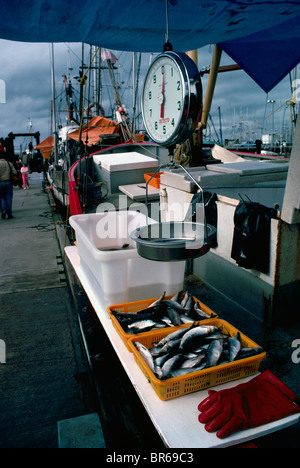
175, 420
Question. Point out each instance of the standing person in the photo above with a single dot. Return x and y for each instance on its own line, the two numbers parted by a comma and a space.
20, 180
6, 187
24, 172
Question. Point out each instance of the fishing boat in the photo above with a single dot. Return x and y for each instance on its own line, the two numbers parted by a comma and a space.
233, 175
198, 153
87, 129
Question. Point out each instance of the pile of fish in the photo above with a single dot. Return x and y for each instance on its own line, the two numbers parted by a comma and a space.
192, 349
180, 309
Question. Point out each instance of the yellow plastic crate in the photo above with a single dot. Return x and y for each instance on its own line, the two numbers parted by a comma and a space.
200, 380
134, 307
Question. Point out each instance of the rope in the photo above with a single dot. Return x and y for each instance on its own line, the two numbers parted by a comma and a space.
41, 228
183, 154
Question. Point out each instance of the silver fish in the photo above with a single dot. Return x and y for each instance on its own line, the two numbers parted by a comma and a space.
167, 321
185, 299
173, 315
190, 355
201, 348
158, 301
234, 346
172, 345
158, 372
171, 364
200, 313
155, 351
193, 362
189, 305
145, 353
191, 338
141, 326
216, 336
185, 319
183, 371
160, 360
161, 325
173, 336
176, 298
214, 352
175, 306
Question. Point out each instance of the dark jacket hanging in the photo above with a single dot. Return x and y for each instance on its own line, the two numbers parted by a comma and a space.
251, 236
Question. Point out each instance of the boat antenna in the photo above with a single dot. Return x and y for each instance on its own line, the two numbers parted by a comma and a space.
167, 45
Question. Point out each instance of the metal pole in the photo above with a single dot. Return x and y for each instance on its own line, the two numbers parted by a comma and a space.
133, 89
211, 84
53, 103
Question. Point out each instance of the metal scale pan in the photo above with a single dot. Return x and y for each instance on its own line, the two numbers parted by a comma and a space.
175, 240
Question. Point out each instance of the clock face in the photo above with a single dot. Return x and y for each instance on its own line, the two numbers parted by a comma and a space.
166, 99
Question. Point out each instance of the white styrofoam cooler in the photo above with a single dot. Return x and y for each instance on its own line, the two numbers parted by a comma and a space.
122, 274
123, 168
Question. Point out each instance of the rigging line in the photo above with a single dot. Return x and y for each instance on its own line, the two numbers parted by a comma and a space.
106, 84
124, 90
71, 50
92, 60
136, 91
247, 131
151, 152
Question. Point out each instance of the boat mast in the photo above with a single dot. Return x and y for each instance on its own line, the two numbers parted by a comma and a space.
81, 81
66, 90
136, 68
53, 103
133, 89
121, 113
220, 123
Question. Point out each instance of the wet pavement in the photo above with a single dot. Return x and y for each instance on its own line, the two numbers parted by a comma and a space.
44, 378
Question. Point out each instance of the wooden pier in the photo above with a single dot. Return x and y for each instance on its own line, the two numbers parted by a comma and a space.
44, 378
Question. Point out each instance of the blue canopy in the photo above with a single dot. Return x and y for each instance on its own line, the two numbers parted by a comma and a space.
262, 36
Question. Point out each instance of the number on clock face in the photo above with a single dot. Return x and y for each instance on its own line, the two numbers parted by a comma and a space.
163, 99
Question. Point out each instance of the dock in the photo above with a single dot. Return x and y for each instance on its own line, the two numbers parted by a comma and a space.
44, 378
59, 365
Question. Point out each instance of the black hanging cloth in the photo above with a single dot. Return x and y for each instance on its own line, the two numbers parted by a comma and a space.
251, 236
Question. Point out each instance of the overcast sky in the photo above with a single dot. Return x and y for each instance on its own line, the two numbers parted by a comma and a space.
26, 70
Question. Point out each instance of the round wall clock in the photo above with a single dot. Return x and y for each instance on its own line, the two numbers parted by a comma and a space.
171, 98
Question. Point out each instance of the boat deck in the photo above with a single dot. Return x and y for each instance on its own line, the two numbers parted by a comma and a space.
59, 362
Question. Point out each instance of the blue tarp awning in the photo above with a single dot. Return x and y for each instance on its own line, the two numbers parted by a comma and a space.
262, 36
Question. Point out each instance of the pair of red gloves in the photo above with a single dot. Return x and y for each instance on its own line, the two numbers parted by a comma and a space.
262, 400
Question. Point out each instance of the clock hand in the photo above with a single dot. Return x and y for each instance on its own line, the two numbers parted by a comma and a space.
162, 93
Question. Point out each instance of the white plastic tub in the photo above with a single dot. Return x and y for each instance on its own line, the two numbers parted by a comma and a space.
122, 274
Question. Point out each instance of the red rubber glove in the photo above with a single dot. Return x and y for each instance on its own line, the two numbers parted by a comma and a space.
262, 400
